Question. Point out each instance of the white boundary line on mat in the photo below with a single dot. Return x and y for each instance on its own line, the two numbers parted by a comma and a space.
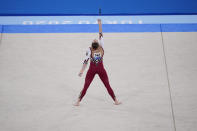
56, 20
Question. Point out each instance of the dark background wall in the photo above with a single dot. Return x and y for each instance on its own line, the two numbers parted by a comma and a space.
91, 7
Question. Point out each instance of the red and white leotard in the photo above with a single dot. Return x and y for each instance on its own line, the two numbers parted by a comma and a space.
96, 67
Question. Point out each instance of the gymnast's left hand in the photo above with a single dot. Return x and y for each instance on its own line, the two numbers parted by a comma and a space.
80, 74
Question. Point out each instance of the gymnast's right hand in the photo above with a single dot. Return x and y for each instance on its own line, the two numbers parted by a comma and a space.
80, 74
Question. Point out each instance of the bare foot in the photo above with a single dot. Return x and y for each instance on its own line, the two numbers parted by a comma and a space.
77, 104
117, 102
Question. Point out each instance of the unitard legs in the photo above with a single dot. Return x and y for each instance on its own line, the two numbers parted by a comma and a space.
89, 77
103, 76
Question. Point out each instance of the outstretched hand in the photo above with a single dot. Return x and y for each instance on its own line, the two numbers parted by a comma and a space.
80, 74
99, 21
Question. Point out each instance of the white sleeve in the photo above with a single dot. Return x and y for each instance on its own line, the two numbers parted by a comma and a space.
101, 40
87, 57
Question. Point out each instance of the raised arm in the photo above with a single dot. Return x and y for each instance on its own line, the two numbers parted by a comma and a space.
100, 33
100, 25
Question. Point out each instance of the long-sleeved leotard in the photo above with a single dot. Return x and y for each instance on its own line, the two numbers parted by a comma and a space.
96, 67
